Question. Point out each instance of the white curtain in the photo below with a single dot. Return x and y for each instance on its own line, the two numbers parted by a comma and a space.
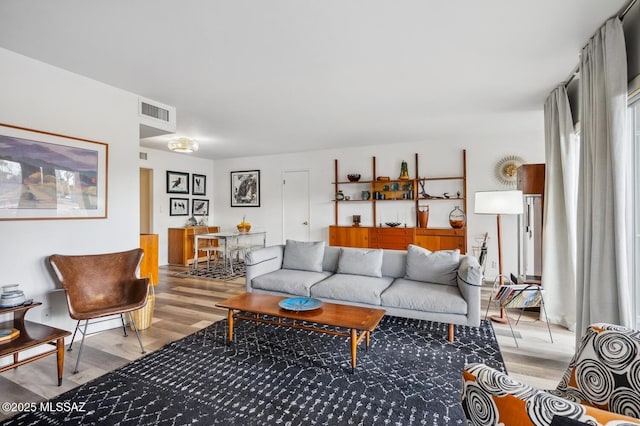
560, 203
604, 224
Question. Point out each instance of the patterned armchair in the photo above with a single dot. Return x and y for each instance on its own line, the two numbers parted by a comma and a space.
600, 387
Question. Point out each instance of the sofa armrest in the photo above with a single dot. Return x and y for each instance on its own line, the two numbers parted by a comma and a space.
469, 279
492, 397
262, 261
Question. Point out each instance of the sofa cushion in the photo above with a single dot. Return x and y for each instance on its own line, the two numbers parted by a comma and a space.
352, 288
434, 267
290, 281
367, 262
331, 256
303, 255
394, 263
421, 296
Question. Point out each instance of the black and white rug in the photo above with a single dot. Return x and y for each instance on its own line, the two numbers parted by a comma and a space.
216, 271
273, 375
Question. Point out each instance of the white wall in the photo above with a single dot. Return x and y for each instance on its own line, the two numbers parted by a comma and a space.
160, 162
440, 157
42, 97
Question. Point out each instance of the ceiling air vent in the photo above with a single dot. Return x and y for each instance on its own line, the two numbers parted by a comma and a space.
143, 155
155, 118
154, 111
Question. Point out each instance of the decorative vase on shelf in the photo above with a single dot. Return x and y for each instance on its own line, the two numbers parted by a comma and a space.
457, 218
340, 195
365, 195
423, 216
404, 171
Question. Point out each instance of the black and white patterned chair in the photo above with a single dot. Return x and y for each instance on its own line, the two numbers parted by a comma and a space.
600, 387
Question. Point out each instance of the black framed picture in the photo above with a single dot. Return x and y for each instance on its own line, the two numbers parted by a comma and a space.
199, 207
177, 182
198, 184
245, 188
178, 207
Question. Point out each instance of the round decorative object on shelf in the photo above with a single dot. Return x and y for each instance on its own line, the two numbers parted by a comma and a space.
353, 177
506, 170
340, 195
457, 218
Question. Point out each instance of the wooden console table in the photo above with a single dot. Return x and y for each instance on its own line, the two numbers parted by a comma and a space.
181, 242
31, 335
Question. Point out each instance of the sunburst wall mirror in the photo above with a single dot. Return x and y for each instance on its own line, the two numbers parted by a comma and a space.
507, 168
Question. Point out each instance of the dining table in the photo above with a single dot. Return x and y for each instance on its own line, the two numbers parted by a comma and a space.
231, 241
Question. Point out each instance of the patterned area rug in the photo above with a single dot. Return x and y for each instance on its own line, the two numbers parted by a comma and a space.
273, 375
217, 271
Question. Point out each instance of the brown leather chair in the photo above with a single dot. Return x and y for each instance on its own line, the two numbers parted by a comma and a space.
101, 285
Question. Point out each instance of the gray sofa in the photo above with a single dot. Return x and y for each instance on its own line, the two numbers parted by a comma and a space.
441, 286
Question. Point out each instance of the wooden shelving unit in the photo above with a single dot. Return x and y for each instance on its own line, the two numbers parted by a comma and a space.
395, 190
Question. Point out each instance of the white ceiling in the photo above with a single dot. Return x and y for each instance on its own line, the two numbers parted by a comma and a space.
258, 77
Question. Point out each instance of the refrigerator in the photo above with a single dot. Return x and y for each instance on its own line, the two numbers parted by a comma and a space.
530, 240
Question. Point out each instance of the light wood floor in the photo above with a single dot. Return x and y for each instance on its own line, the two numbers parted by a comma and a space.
185, 305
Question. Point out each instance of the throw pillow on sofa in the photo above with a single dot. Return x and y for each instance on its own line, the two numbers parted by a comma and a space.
303, 255
438, 267
367, 262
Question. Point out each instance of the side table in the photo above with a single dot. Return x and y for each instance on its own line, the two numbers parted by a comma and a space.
31, 335
519, 296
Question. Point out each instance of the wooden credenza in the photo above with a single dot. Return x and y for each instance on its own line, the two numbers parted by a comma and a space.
441, 239
391, 238
398, 238
181, 243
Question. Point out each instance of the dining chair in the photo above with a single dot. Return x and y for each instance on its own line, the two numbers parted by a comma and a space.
98, 286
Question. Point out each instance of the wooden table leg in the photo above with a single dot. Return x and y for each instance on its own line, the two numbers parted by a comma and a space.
15, 358
230, 321
354, 349
60, 358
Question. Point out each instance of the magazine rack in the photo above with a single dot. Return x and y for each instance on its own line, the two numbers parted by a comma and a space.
518, 296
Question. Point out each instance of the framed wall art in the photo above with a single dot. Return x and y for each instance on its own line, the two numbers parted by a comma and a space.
198, 184
46, 175
245, 188
177, 182
199, 207
178, 207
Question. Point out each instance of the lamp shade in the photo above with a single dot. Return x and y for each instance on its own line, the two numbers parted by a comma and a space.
499, 202
183, 145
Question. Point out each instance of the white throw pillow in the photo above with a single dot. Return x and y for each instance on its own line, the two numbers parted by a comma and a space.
367, 262
438, 267
303, 255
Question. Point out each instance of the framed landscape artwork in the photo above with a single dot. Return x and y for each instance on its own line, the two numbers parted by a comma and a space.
245, 188
198, 184
178, 207
46, 175
199, 207
177, 182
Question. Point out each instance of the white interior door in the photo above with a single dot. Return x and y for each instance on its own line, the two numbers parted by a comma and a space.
295, 199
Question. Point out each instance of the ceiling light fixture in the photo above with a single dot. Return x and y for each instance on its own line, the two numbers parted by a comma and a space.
183, 145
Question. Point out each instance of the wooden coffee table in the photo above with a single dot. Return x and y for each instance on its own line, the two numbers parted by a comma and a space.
358, 320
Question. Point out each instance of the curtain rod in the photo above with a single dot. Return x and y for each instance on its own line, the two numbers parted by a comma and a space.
621, 16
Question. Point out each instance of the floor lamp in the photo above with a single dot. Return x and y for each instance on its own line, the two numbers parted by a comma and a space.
499, 203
